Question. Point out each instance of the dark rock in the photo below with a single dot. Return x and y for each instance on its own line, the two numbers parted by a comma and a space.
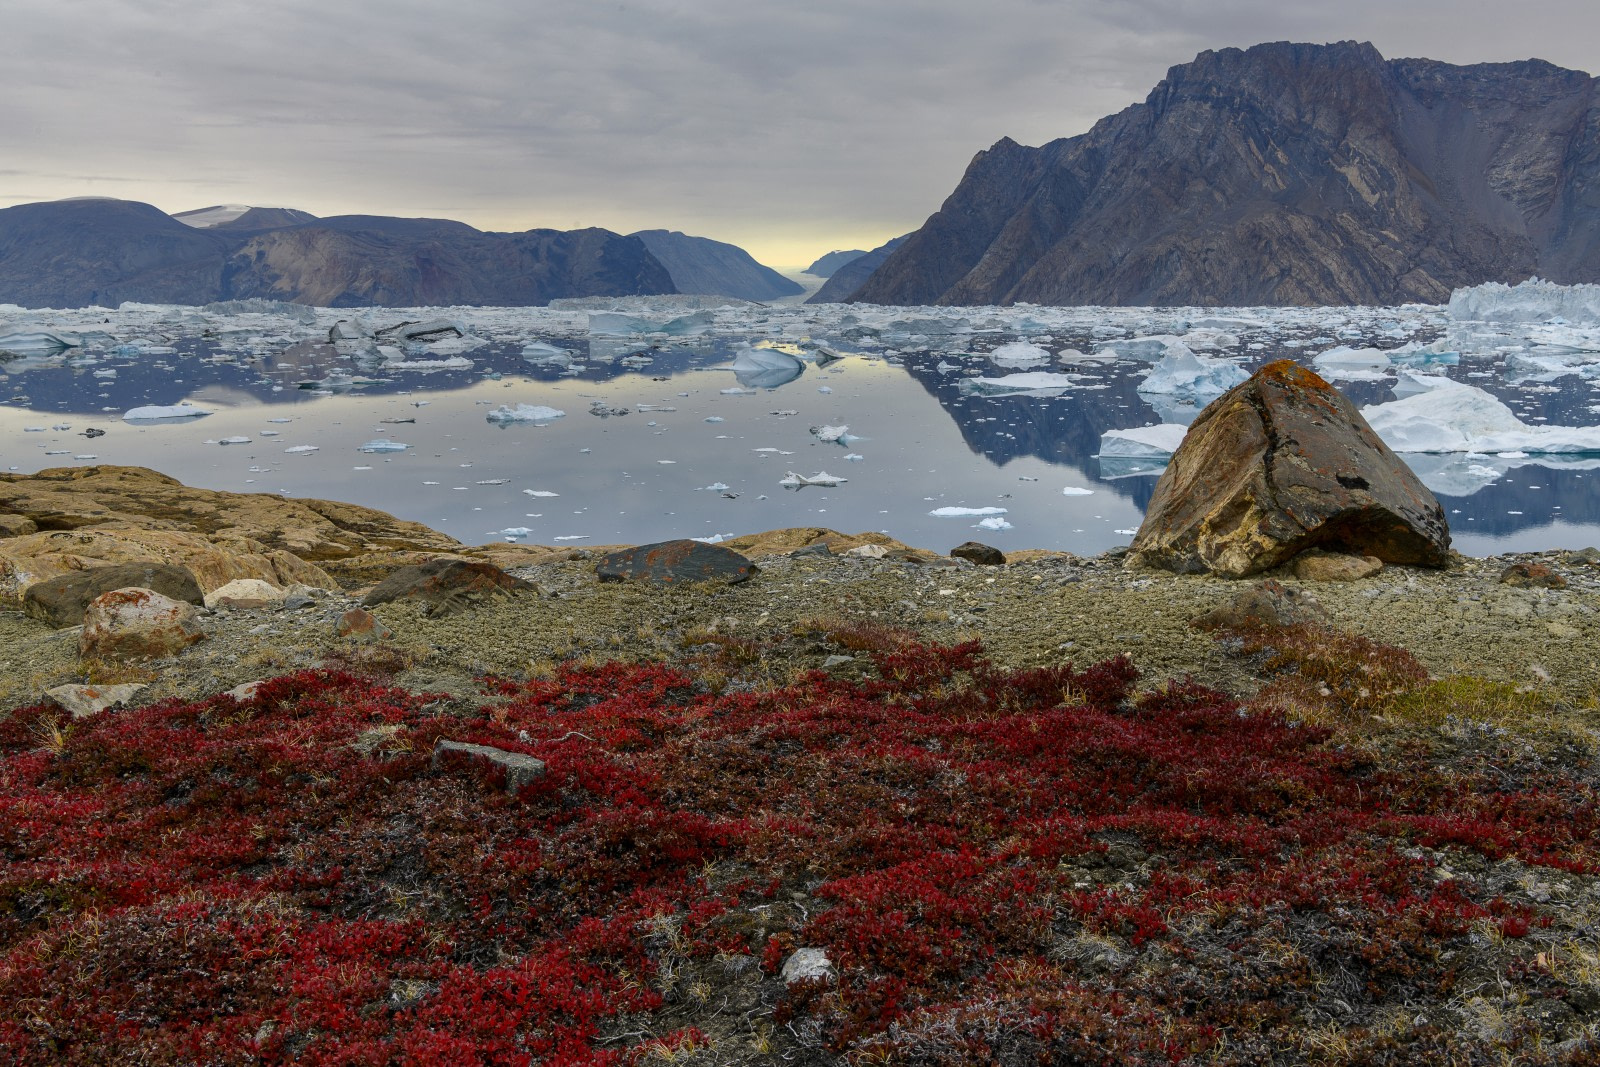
1282, 174
362, 627
979, 553
445, 586
825, 266
673, 562
849, 276
1278, 465
1532, 576
1265, 605
520, 769
61, 601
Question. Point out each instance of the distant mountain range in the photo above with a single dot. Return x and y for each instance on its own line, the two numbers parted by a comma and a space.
72, 253
824, 266
849, 276
1282, 174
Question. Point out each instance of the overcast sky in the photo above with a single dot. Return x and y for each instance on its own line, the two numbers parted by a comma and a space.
789, 128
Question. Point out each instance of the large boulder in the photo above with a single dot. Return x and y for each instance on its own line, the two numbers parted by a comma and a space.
674, 562
1278, 465
134, 624
444, 586
61, 601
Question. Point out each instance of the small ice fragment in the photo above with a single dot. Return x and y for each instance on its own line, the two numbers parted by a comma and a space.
994, 522
666, 461
958, 513
234, 441
382, 444
360, 468
715, 418
301, 448
171, 411
539, 492
800, 481
1077, 490
824, 389
515, 531
829, 434
524, 413
855, 457
572, 537
280, 420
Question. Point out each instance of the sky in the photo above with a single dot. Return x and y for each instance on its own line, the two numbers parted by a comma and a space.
788, 128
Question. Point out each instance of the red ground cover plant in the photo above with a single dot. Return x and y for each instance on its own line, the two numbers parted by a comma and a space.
1004, 866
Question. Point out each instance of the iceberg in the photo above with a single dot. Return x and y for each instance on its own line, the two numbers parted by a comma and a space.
1037, 383
1529, 301
1019, 354
1353, 364
617, 324
800, 481
524, 413
38, 342
383, 444
173, 411
1149, 349
830, 434
965, 513
1186, 374
1453, 417
1143, 442
765, 368
543, 355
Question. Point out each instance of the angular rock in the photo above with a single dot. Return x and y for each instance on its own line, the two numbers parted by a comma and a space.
1278, 465
84, 701
362, 627
61, 601
979, 553
245, 593
520, 769
1318, 566
675, 562
1265, 605
246, 690
1532, 576
805, 963
445, 586
17, 525
135, 623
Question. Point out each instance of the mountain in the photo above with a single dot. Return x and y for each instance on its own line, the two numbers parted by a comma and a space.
849, 277
826, 265
72, 253
1283, 174
701, 265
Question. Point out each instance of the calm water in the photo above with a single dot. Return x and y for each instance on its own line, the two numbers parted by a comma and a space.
694, 457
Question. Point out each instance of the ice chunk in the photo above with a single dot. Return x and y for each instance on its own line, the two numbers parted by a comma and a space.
959, 513
1019, 354
38, 342
383, 444
617, 324
172, 411
1186, 374
800, 481
524, 413
994, 522
1454, 417
539, 492
1036, 383
1353, 364
426, 332
1077, 490
765, 368
829, 434
1410, 383
234, 441
539, 353
301, 449
1150, 348
1143, 442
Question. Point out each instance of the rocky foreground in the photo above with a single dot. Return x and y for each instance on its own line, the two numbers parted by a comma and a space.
384, 797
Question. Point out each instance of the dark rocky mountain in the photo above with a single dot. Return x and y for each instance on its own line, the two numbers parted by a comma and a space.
849, 277
701, 265
1282, 174
265, 218
826, 265
71, 253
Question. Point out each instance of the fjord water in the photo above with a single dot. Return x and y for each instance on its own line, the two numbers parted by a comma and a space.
699, 454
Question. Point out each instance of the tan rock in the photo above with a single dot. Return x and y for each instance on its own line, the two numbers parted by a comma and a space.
1278, 465
245, 593
86, 701
1315, 566
130, 624
16, 525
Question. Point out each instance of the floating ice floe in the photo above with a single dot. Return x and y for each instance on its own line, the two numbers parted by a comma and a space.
539, 492
541, 354
821, 478
38, 342
171, 411
1347, 364
963, 513
1019, 354
829, 434
301, 449
617, 324
994, 522
382, 444
1454, 417
524, 413
1077, 490
1151, 348
234, 441
1186, 374
1036, 383
449, 363
1143, 442
765, 368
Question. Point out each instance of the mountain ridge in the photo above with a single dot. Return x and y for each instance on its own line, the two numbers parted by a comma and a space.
1280, 174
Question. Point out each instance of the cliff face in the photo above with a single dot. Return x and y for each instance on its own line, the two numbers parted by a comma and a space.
1283, 174
714, 268
78, 252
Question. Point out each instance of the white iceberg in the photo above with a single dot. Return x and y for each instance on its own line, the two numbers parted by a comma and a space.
830, 434
38, 342
1143, 442
765, 368
1150, 348
1076, 490
524, 413
1454, 417
1019, 354
541, 354
963, 513
1348, 364
171, 411
1034, 383
383, 444
1186, 374
617, 324
800, 481
994, 522
1530, 301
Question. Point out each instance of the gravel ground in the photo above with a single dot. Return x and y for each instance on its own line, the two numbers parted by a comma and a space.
1047, 610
